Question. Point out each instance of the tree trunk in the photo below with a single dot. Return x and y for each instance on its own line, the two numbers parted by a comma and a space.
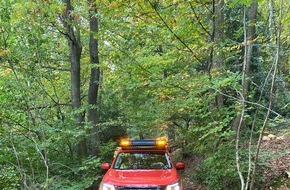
73, 36
93, 116
217, 37
250, 37
171, 133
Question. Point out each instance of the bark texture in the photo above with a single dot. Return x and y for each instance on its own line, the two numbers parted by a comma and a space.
73, 37
93, 116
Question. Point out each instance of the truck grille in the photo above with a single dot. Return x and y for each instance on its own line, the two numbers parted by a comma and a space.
141, 188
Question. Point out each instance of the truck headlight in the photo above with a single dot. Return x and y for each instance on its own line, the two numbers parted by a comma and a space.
106, 186
175, 186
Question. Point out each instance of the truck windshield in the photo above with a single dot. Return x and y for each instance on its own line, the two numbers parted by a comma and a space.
142, 160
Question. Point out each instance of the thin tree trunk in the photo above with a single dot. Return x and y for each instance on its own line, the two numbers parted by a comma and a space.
271, 15
250, 37
73, 36
249, 43
239, 118
249, 40
93, 116
237, 145
216, 54
276, 61
171, 133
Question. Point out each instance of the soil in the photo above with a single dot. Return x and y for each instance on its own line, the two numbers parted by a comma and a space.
277, 173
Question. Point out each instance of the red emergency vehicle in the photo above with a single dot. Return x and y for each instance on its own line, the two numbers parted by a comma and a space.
142, 165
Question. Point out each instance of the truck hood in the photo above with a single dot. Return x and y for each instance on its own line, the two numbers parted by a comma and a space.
141, 177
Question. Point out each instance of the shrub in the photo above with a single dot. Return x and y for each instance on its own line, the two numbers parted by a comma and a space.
9, 178
218, 171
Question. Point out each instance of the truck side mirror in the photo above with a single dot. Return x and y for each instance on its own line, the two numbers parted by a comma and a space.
105, 166
180, 166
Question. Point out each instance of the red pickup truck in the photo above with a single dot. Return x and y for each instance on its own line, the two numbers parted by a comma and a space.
142, 165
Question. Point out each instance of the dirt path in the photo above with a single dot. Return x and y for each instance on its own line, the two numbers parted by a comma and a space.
190, 183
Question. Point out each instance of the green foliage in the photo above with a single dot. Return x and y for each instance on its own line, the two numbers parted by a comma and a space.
107, 151
218, 171
243, 2
82, 177
281, 182
9, 178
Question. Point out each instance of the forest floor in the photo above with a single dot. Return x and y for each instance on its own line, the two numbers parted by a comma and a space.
274, 148
277, 148
190, 167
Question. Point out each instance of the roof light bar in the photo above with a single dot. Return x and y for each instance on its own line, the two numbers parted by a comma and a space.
145, 143
125, 143
161, 142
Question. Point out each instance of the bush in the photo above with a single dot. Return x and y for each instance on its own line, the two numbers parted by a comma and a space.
84, 176
218, 171
9, 178
107, 151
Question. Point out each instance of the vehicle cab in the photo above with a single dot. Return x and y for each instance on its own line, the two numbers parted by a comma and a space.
142, 164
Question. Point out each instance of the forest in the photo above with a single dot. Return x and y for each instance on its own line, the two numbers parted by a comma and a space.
211, 76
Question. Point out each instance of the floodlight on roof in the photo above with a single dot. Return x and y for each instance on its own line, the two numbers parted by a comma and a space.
161, 142
125, 142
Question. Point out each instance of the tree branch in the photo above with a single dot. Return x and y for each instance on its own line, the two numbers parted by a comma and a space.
198, 20
174, 34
